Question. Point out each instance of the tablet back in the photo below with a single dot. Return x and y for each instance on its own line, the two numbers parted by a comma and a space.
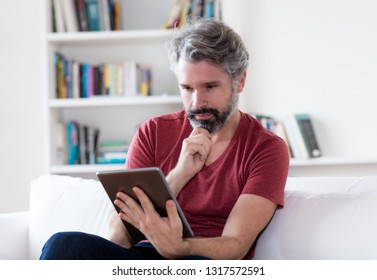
152, 181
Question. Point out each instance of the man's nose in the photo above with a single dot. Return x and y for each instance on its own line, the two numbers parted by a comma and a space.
199, 100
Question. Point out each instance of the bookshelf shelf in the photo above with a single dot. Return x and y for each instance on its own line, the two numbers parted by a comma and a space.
106, 37
84, 168
332, 161
114, 101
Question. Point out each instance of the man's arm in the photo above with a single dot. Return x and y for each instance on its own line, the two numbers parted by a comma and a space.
248, 218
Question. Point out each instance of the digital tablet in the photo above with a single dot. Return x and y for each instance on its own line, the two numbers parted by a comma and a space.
152, 181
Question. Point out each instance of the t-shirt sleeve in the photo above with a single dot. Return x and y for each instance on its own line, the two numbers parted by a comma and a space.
269, 170
141, 151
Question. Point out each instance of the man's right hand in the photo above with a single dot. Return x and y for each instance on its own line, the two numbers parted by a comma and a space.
193, 156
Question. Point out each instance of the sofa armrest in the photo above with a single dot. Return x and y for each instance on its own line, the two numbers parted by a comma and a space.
14, 236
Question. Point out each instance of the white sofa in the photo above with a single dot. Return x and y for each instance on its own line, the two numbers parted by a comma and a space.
323, 218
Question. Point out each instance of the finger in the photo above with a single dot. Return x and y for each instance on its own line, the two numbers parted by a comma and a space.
128, 205
201, 151
200, 130
145, 202
196, 142
174, 219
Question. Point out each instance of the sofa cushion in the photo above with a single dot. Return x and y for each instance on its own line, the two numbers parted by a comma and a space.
63, 203
329, 225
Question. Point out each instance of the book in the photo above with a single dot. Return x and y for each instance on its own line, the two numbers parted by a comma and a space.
81, 15
73, 150
92, 144
92, 13
75, 79
83, 144
61, 143
112, 152
104, 14
117, 14
174, 15
86, 80
61, 90
76, 143
308, 134
58, 16
70, 15
295, 138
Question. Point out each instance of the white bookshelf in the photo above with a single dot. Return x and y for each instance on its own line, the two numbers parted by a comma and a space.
143, 41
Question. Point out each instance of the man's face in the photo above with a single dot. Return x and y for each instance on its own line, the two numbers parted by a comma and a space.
207, 94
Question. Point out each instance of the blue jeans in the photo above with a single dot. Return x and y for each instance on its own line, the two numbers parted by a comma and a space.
84, 246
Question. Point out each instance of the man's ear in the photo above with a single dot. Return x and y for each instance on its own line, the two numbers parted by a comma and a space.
242, 82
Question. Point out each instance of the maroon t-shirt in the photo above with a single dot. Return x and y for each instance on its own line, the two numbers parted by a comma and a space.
255, 162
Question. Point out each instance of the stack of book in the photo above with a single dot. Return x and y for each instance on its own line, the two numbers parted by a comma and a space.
112, 152
183, 9
86, 15
297, 131
84, 80
76, 143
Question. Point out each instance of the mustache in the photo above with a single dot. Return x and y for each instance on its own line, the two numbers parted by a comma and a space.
194, 112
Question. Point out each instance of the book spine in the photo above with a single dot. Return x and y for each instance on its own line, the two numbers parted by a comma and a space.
81, 15
91, 7
69, 13
72, 143
85, 80
75, 79
209, 8
68, 77
59, 17
117, 15
83, 144
92, 147
90, 80
61, 143
307, 131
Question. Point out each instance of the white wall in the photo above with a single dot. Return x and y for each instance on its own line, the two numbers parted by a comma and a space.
20, 102
320, 57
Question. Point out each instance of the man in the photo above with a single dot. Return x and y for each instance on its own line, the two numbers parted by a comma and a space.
227, 171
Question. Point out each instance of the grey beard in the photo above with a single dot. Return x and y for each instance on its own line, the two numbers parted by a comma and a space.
220, 118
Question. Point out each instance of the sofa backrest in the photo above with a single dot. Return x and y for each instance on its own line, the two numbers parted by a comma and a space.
324, 218
63, 203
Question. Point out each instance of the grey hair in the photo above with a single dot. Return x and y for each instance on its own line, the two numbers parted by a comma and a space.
207, 39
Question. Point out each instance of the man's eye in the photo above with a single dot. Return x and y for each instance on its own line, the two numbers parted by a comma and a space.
186, 88
211, 86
